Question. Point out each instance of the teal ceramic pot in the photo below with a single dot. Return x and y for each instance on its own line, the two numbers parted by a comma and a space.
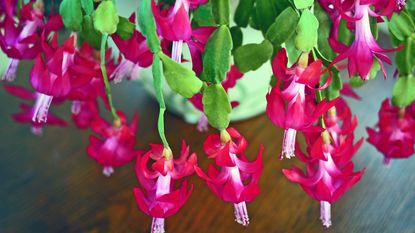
250, 91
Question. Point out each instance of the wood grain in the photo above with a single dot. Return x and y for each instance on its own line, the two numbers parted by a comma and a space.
49, 184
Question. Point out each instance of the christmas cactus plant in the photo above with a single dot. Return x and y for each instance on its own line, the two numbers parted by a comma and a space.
319, 51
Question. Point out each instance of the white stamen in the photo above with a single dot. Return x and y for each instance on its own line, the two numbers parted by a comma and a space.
177, 51
325, 213
76, 107
41, 108
107, 171
157, 226
241, 214
288, 144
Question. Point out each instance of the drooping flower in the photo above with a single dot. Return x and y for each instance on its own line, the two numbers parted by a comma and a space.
173, 24
157, 196
86, 77
51, 79
25, 116
229, 181
136, 55
395, 135
364, 49
19, 38
232, 77
329, 170
290, 108
114, 147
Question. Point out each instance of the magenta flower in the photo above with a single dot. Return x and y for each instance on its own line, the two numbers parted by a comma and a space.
136, 55
290, 108
364, 49
232, 76
157, 196
115, 145
25, 116
84, 113
339, 121
173, 24
7, 7
229, 181
395, 137
329, 171
51, 79
19, 38
86, 77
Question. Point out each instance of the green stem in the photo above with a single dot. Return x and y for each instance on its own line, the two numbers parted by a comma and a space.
408, 54
160, 126
105, 77
157, 83
319, 99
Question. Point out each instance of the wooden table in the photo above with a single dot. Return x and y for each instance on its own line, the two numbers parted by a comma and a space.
49, 184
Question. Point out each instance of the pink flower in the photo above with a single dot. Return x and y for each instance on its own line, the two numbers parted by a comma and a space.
395, 137
135, 48
173, 22
51, 79
19, 39
25, 116
329, 171
229, 181
157, 196
86, 77
7, 7
339, 121
115, 145
136, 55
364, 49
84, 113
290, 108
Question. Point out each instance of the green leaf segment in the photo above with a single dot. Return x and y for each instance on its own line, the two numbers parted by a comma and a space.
216, 64
402, 29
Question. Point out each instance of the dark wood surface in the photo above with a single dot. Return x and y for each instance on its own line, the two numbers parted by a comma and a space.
49, 184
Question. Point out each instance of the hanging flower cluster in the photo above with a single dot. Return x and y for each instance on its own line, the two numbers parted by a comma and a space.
291, 108
307, 43
364, 49
329, 172
20, 39
157, 197
228, 182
